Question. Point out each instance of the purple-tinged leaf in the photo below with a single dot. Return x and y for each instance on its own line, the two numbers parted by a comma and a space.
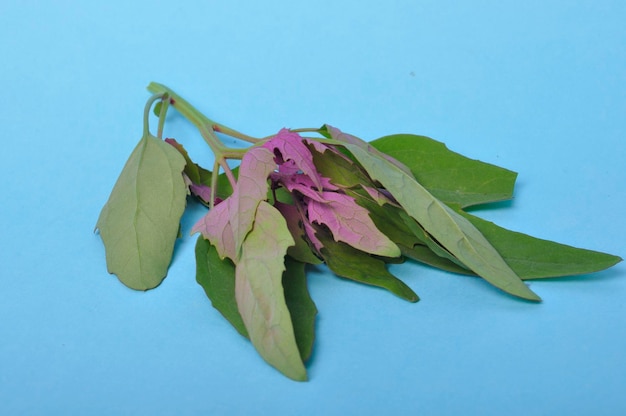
310, 231
291, 148
215, 226
350, 223
380, 195
260, 295
301, 184
201, 191
228, 223
319, 147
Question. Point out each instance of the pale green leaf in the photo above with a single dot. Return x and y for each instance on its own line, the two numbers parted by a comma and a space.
259, 292
140, 221
449, 176
450, 229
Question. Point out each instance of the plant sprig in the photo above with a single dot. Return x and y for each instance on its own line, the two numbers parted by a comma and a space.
296, 200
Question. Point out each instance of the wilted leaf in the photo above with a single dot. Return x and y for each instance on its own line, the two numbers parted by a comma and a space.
449, 176
260, 296
140, 221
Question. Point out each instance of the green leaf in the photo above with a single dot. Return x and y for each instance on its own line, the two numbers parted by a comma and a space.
425, 255
301, 306
353, 264
259, 292
217, 278
341, 171
429, 241
449, 228
534, 258
140, 221
449, 176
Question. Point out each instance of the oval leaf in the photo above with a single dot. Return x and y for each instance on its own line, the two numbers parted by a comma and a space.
140, 221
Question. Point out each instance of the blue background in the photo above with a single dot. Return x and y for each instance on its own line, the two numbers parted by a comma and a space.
538, 87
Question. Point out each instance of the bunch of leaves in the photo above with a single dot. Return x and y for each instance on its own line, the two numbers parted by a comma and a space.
296, 201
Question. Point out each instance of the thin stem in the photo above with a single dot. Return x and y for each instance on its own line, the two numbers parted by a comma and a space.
146, 112
214, 176
165, 102
229, 173
306, 130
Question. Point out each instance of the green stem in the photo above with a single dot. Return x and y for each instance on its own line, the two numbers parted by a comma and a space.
146, 112
164, 105
306, 130
202, 122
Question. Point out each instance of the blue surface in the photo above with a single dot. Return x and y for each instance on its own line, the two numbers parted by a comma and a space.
538, 87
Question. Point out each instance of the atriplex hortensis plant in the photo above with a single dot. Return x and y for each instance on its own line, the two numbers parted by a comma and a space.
327, 197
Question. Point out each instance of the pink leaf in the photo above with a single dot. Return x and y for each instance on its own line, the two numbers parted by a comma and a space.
215, 227
201, 191
294, 153
228, 223
380, 195
350, 223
